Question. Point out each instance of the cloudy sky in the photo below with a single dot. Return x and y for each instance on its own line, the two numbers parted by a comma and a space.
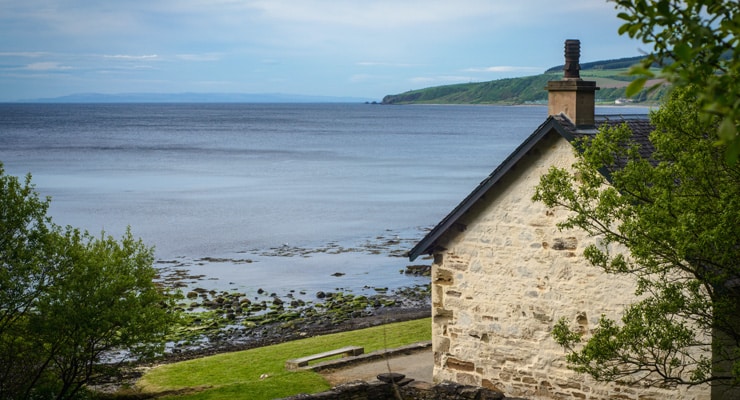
359, 48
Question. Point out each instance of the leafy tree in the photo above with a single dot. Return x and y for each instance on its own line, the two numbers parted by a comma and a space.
26, 271
677, 214
695, 42
67, 299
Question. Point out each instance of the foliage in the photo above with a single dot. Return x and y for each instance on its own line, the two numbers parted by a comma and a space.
231, 375
529, 89
67, 299
695, 42
678, 215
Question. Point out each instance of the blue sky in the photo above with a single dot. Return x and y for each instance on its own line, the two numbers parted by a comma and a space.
358, 48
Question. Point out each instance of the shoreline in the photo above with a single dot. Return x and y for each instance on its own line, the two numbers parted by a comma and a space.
407, 305
275, 333
357, 265
225, 321
243, 301
263, 309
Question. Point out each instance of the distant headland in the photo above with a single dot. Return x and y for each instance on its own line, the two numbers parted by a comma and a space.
610, 75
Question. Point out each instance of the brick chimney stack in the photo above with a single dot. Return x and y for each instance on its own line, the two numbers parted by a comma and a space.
572, 96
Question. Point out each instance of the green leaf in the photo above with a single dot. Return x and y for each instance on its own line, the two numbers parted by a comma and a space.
682, 51
623, 29
626, 17
663, 7
733, 152
635, 86
727, 130
728, 136
641, 69
634, 29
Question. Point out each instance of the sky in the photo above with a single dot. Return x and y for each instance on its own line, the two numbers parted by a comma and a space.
350, 48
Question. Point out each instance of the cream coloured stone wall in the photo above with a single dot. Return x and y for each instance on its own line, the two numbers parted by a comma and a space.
504, 280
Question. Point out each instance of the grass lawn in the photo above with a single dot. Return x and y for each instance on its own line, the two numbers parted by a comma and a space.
237, 375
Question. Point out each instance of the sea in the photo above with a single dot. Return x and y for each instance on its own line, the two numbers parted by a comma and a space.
295, 198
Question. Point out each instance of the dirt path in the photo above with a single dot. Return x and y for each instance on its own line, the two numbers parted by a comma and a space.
417, 366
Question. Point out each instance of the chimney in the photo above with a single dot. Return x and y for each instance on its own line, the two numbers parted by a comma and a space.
571, 95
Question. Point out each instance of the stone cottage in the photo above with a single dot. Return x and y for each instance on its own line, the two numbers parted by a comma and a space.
503, 274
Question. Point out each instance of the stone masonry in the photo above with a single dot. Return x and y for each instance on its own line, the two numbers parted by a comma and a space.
378, 390
505, 276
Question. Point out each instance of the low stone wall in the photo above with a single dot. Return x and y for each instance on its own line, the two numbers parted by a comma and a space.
370, 357
379, 390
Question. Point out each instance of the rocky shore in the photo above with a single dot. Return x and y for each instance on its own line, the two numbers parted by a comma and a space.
229, 319
224, 321
217, 321
223, 328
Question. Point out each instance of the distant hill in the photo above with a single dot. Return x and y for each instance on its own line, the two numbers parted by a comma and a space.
196, 98
620, 63
610, 76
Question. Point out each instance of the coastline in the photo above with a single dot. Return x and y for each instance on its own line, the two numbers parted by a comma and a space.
245, 309
278, 332
402, 305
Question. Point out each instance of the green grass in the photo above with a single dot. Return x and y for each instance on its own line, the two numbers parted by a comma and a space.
619, 74
237, 375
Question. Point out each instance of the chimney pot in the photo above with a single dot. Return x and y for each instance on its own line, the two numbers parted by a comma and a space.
572, 96
572, 67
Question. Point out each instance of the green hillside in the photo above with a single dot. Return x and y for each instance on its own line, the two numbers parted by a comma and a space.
610, 75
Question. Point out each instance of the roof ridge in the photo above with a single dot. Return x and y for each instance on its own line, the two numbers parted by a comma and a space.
624, 116
639, 124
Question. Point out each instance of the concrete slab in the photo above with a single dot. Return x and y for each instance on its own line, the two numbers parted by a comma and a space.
417, 365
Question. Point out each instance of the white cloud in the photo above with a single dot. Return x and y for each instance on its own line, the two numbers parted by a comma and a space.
47, 66
394, 13
378, 13
199, 57
28, 54
132, 57
314, 45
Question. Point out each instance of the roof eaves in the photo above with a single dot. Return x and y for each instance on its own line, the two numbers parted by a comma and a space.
639, 124
428, 243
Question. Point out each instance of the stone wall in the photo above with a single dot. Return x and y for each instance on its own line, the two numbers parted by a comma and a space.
506, 276
378, 390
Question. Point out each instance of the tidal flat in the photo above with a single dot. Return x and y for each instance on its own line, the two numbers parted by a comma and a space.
242, 309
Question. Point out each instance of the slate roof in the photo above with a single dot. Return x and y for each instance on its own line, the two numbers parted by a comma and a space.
638, 123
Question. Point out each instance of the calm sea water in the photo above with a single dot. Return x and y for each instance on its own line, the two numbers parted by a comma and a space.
262, 182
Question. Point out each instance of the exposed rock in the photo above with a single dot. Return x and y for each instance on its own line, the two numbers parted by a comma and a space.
419, 270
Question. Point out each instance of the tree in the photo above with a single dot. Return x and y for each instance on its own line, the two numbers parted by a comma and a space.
68, 299
677, 215
26, 270
695, 43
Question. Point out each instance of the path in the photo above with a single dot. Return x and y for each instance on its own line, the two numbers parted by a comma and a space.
417, 366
